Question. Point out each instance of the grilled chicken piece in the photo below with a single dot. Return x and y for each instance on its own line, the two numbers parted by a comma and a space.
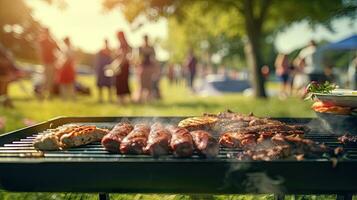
348, 140
198, 123
237, 139
51, 140
158, 140
206, 145
135, 141
83, 135
111, 142
181, 142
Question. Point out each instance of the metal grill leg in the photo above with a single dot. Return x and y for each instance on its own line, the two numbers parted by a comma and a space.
279, 196
103, 196
346, 196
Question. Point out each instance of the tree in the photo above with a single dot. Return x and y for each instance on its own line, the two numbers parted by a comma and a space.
206, 38
18, 28
259, 17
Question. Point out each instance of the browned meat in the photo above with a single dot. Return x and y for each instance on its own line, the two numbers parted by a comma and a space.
198, 123
272, 153
51, 139
229, 122
274, 128
158, 140
83, 135
181, 142
205, 143
237, 139
300, 145
111, 142
135, 141
348, 140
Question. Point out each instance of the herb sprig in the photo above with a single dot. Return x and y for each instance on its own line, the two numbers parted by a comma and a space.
315, 87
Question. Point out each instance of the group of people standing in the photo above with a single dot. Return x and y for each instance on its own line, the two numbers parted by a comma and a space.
113, 69
59, 66
294, 76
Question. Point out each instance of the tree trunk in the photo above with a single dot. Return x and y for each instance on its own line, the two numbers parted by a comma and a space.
253, 50
254, 61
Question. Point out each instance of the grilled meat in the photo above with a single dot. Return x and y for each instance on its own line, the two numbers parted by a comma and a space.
205, 143
111, 142
348, 140
300, 145
83, 135
135, 141
51, 140
257, 134
229, 122
158, 140
181, 142
198, 123
272, 153
236, 139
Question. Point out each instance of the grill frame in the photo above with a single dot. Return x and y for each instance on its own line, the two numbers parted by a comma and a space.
150, 175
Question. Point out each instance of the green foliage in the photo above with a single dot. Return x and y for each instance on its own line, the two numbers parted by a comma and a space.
207, 33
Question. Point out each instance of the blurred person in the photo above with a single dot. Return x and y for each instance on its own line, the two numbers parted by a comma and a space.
122, 77
102, 59
178, 74
171, 73
146, 69
190, 65
66, 72
352, 73
8, 73
156, 94
265, 72
47, 51
307, 54
300, 77
282, 71
329, 75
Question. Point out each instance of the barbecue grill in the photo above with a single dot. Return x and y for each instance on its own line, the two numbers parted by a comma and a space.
91, 169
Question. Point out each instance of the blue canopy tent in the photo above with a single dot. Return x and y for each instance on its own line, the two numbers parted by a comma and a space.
347, 44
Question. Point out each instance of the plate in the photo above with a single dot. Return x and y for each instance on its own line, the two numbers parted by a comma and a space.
340, 97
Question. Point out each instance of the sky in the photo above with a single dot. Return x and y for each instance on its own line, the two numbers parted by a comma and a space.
88, 24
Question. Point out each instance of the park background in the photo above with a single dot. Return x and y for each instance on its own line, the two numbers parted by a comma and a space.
217, 30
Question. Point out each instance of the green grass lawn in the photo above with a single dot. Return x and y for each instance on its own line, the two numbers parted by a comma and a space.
176, 101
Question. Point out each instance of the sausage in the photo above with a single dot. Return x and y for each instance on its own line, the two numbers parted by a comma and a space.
158, 140
205, 144
181, 142
135, 141
111, 142
83, 135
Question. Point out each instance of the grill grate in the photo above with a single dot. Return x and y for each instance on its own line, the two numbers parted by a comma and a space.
24, 148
